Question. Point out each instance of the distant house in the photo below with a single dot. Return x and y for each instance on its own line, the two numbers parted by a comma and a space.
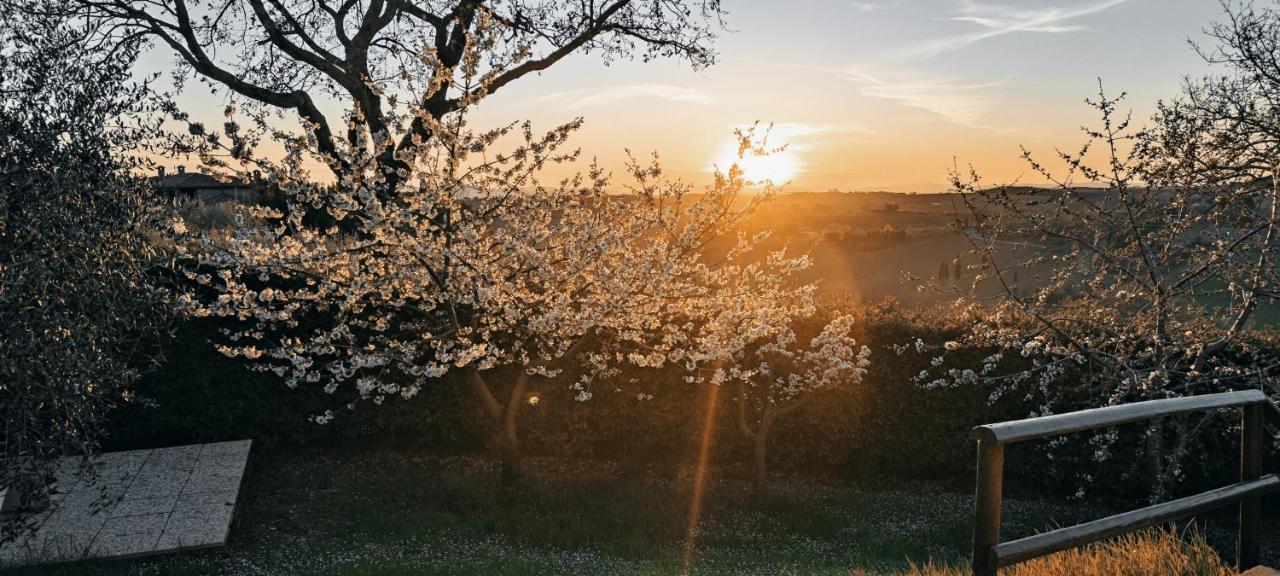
202, 187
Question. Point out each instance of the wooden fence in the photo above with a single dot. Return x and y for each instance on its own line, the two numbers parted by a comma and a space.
990, 554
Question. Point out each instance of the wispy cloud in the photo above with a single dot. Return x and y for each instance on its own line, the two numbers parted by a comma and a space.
871, 6
594, 97
787, 144
803, 135
963, 103
998, 20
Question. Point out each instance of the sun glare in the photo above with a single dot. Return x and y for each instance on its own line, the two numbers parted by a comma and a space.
778, 167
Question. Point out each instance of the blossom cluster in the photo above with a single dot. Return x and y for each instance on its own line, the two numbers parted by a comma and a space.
464, 259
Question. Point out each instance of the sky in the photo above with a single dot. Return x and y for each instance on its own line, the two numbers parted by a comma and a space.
874, 94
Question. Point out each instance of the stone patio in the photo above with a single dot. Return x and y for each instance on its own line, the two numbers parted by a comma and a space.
134, 503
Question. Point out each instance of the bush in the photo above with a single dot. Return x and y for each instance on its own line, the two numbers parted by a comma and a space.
886, 428
200, 395
207, 217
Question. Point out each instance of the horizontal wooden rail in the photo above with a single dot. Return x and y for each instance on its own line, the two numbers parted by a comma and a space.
1033, 428
989, 554
1089, 532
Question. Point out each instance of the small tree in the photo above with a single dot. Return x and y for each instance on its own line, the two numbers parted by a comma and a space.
76, 303
778, 374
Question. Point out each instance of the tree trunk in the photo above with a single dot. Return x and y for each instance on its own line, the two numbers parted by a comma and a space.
761, 453
509, 449
762, 473
755, 437
508, 442
504, 420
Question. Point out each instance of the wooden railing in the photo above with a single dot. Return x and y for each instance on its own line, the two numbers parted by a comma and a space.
989, 554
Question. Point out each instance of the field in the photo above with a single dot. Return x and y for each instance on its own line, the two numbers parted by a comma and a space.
868, 246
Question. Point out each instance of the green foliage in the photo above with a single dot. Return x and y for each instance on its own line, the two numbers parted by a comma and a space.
885, 428
207, 217
200, 395
78, 311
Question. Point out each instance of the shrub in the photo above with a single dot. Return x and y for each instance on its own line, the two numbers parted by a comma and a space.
200, 395
887, 427
207, 217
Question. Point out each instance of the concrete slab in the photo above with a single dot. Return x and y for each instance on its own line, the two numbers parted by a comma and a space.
134, 503
1261, 571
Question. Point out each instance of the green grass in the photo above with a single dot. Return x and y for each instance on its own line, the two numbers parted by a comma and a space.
354, 513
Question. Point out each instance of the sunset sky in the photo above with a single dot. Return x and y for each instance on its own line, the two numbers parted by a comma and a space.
874, 94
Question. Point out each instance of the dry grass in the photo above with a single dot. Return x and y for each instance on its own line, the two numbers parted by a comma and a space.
1163, 552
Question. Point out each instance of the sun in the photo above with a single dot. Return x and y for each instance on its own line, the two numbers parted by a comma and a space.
777, 167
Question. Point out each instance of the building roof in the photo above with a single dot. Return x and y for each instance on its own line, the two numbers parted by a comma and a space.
195, 180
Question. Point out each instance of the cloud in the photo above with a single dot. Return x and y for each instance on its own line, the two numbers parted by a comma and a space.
799, 136
870, 6
595, 97
787, 144
962, 103
807, 130
998, 20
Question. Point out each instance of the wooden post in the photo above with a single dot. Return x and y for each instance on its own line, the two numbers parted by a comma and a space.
986, 507
1250, 468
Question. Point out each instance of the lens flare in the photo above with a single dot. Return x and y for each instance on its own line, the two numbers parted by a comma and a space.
700, 478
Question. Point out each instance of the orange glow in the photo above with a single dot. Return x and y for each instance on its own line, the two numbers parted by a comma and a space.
700, 478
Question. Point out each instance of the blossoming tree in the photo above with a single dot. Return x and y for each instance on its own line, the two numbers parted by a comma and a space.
780, 373
1150, 264
478, 267
408, 246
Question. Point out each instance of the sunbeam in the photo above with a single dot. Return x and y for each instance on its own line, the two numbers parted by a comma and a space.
700, 478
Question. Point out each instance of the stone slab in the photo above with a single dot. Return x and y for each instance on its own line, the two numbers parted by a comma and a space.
134, 503
1261, 571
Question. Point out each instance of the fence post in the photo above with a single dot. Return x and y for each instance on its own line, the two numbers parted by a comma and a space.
1250, 469
986, 506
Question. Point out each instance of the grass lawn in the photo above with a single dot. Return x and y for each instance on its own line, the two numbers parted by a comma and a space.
348, 512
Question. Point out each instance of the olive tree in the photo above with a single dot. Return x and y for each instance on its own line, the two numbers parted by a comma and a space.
76, 304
